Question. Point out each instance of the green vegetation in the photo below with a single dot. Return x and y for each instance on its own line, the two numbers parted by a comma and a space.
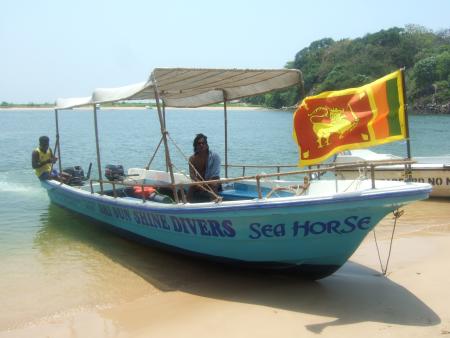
125, 104
5, 104
331, 65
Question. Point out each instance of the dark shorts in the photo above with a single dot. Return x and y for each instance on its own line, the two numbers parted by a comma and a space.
197, 194
46, 176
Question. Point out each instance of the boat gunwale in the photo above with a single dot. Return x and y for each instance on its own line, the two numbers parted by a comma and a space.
414, 167
251, 204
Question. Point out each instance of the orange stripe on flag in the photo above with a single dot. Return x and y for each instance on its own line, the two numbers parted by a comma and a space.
381, 125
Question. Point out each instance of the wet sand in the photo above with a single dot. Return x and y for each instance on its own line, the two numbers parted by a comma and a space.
196, 299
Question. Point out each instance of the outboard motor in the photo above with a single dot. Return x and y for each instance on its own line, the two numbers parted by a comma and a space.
114, 172
74, 175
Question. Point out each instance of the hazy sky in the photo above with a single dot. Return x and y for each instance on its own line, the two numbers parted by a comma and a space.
59, 48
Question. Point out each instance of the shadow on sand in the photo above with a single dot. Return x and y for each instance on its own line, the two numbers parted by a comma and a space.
353, 294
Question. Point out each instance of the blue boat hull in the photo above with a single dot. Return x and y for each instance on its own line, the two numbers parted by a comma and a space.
316, 236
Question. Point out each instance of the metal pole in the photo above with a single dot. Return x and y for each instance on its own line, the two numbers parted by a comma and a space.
408, 174
408, 144
99, 165
164, 136
53, 151
226, 130
57, 140
336, 182
154, 154
372, 175
164, 121
114, 189
258, 186
164, 113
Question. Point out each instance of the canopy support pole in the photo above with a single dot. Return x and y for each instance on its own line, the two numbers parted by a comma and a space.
408, 173
164, 121
99, 165
225, 118
164, 113
164, 136
57, 141
154, 154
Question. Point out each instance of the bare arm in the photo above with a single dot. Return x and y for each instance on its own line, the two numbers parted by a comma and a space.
192, 171
35, 160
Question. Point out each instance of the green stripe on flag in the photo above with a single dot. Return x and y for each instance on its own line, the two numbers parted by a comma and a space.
394, 106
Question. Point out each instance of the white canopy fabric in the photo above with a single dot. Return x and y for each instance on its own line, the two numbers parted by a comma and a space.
195, 87
188, 87
67, 103
138, 91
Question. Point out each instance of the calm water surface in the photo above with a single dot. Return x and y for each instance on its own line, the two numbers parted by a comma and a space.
53, 261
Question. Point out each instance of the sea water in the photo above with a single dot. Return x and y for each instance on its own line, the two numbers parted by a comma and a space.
53, 261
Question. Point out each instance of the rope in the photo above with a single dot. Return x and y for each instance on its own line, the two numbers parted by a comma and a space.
357, 182
296, 189
397, 214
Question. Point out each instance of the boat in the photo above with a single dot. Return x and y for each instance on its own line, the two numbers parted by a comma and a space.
283, 220
434, 170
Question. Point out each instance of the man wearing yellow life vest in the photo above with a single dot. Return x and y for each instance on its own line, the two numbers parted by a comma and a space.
42, 159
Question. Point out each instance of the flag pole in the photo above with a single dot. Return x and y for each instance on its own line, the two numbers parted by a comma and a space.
408, 173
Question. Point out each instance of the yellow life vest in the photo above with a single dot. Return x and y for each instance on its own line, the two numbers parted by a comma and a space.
43, 157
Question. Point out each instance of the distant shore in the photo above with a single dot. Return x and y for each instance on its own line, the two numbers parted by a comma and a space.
140, 108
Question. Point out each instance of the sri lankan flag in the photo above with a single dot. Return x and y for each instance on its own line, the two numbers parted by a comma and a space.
362, 117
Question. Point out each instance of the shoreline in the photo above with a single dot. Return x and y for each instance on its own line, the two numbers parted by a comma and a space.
139, 108
194, 299
215, 108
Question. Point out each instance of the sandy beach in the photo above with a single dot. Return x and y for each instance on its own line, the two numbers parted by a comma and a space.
189, 298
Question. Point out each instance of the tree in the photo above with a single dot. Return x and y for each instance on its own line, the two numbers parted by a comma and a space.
425, 72
443, 66
331, 65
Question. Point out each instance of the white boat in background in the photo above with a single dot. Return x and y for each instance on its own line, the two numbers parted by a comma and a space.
434, 170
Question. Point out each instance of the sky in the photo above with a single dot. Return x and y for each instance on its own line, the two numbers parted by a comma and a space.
60, 48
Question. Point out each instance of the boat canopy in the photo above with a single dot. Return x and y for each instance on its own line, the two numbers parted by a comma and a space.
187, 87
137, 91
67, 103
194, 87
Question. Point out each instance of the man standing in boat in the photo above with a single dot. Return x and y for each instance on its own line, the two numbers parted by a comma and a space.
42, 159
204, 165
